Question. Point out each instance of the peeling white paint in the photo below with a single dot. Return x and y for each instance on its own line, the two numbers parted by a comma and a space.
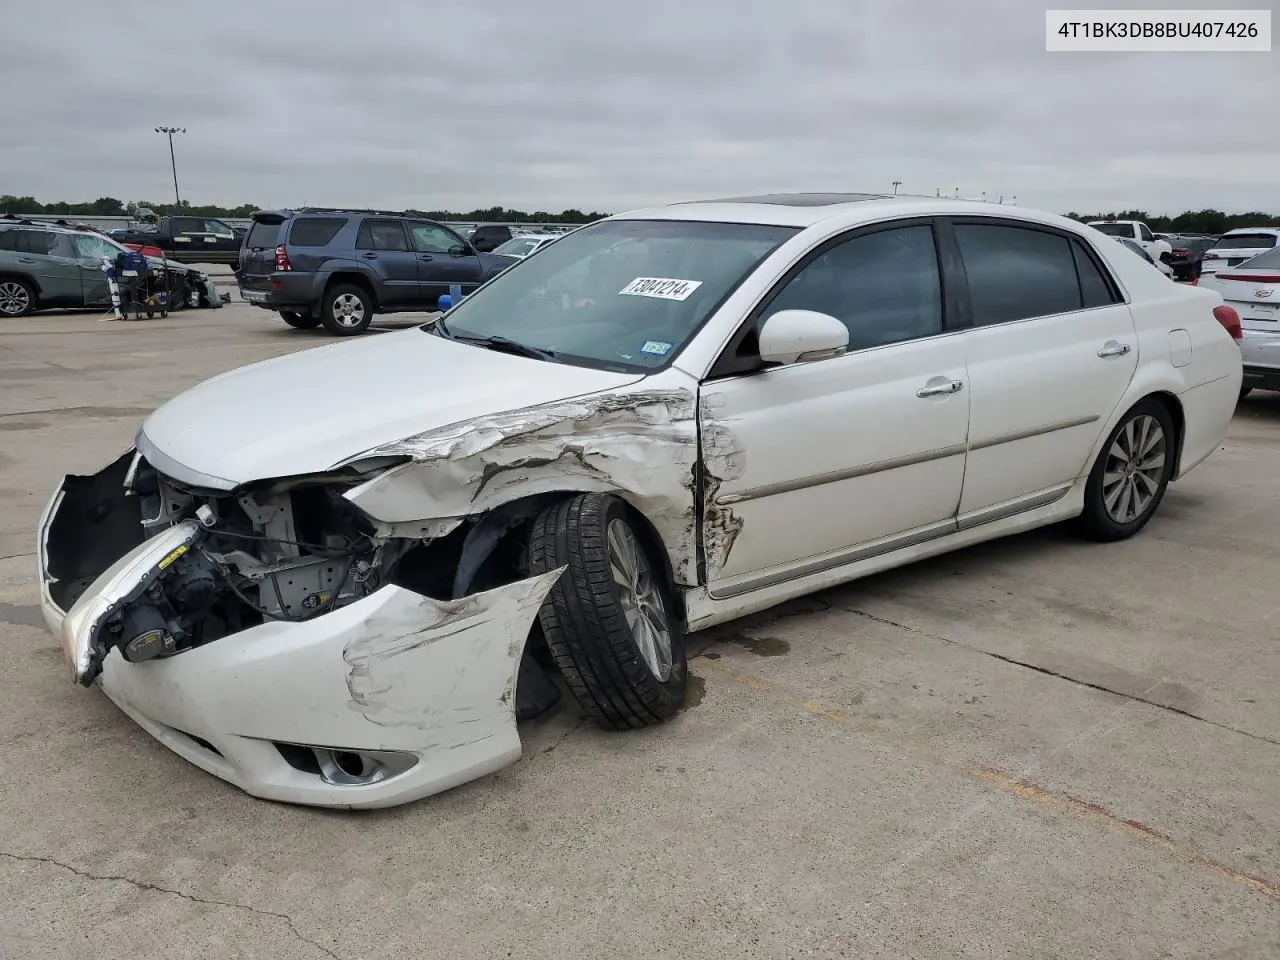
640, 445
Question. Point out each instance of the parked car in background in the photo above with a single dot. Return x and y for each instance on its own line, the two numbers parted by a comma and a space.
1138, 232
1187, 254
189, 239
338, 268
1134, 247
525, 245
318, 577
44, 265
1236, 246
1252, 288
488, 237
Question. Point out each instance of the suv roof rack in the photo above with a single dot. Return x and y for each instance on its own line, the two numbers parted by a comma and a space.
378, 213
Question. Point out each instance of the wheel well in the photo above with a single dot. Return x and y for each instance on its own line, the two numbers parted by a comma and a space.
1174, 406
23, 278
353, 278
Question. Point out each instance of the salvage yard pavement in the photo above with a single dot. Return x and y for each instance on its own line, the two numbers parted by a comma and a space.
1034, 748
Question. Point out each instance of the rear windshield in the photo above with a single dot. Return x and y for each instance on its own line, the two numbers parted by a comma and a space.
315, 231
1115, 229
1247, 241
1263, 261
262, 234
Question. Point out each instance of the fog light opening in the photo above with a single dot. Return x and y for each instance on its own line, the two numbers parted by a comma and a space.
347, 767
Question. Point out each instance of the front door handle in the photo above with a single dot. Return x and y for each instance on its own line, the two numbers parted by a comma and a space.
370, 256
425, 256
1113, 349
940, 389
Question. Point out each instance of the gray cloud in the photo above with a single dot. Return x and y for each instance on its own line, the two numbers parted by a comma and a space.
554, 104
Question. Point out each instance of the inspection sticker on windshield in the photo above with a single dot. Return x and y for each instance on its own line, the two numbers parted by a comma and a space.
660, 287
659, 348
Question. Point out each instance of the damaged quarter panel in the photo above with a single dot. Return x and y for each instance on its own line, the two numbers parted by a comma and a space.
640, 443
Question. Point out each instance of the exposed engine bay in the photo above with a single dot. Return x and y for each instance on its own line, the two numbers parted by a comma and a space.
286, 550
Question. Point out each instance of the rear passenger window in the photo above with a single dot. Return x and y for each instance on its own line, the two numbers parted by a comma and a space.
1094, 289
1016, 273
883, 286
315, 231
382, 235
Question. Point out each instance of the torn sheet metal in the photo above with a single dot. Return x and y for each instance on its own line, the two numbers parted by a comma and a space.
641, 446
723, 458
393, 672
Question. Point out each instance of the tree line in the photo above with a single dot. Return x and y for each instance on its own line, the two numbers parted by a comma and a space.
1213, 222
111, 207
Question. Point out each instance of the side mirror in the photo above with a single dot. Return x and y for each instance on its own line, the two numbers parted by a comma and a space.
800, 336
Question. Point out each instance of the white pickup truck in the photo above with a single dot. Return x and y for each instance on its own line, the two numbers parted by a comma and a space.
1138, 232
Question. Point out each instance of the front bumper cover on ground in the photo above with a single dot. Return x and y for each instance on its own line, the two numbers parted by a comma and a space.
420, 692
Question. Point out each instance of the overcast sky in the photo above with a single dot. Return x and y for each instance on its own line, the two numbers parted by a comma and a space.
548, 104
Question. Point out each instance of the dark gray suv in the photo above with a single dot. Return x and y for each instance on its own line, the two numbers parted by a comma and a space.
338, 268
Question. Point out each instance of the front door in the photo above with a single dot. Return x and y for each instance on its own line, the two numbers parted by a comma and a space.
383, 249
814, 465
1050, 356
443, 260
89, 252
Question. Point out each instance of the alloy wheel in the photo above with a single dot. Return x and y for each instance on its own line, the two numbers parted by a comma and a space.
641, 599
1135, 468
15, 299
348, 310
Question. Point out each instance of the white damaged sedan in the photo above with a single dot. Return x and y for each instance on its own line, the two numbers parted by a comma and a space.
664, 420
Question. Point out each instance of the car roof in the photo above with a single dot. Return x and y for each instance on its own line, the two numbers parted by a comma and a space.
1272, 230
807, 209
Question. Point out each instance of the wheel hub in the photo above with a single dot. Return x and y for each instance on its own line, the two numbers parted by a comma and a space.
1134, 469
641, 599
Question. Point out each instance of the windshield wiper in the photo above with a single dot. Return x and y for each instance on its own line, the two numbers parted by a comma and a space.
501, 344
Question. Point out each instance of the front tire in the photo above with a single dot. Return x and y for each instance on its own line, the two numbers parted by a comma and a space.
1131, 474
299, 321
610, 619
17, 298
347, 310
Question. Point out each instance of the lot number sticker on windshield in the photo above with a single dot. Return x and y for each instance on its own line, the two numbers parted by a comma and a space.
660, 287
659, 348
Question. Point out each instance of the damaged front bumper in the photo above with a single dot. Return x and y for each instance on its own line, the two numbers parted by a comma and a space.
385, 700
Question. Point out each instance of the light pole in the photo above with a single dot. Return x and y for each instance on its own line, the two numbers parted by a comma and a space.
172, 162
896, 185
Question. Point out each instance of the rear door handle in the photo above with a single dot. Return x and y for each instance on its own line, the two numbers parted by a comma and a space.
940, 389
1113, 349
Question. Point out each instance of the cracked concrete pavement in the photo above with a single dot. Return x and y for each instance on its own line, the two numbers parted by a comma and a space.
1038, 747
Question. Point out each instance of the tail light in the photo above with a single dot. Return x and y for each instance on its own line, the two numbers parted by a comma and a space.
1230, 321
1250, 277
1181, 253
282, 258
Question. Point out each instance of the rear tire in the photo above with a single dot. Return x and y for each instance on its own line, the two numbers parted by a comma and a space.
300, 321
1131, 474
17, 298
347, 310
620, 648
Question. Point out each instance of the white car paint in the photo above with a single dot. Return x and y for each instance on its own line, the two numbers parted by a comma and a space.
525, 244
1138, 232
815, 473
1253, 289
1236, 246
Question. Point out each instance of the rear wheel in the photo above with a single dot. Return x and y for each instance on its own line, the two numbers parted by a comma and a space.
1131, 474
17, 298
610, 619
347, 310
302, 321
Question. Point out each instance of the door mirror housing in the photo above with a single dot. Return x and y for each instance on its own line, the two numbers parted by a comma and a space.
802, 336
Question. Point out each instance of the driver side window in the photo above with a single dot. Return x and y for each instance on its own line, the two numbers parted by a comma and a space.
1146, 233
92, 248
883, 286
428, 238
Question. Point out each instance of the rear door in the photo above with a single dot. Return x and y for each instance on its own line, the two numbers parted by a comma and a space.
443, 260
258, 255
49, 259
382, 247
1050, 355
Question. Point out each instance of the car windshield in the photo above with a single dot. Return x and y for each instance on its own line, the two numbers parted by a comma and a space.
1247, 241
1264, 261
620, 294
518, 247
1115, 229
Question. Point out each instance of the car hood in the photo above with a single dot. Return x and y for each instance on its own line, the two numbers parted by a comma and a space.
307, 412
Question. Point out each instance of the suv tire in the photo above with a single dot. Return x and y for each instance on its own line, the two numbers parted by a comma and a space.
17, 298
347, 310
299, 321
